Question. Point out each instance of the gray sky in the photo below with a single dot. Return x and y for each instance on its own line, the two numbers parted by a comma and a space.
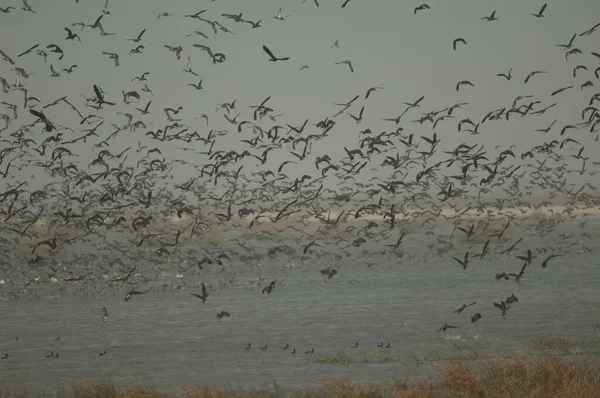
409, 55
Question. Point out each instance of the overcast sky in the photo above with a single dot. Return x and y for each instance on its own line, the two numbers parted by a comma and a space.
409, 55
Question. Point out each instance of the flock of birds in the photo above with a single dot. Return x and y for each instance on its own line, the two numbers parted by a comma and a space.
415, 178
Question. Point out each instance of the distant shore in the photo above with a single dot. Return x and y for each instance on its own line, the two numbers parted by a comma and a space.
408, 216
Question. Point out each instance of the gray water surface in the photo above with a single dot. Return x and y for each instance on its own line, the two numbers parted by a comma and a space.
168, 338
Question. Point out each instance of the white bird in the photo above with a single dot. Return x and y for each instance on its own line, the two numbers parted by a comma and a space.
280, 15
188, 68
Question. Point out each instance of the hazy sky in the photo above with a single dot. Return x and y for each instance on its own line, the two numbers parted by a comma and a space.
409, 55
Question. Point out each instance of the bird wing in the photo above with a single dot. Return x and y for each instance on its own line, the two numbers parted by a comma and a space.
266, 49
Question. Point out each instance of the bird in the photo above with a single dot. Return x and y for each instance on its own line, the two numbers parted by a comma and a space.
491, 17
197, 86
536, 72
458, 40
329, 272
540, 14
138, 38
220, 256
272, 57
462, 308
507, 76
131, 293
347, 63
463, 83
204, 294
222, 314
464, 262
420, 8
269, 288
445, 327
112, 56
550, 257
280, 16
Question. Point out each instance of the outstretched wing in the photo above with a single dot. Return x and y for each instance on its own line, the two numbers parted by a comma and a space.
37, 113
266, 49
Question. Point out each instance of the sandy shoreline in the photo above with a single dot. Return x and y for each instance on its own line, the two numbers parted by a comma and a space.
208, 222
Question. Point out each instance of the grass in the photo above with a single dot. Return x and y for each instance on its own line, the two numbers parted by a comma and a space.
518, 376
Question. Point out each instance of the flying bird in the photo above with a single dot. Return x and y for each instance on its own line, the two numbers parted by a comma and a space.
456, 41
347, 63
112, 56
420, 8
202, 296
463, 83
492, 17
540, 14
273, 57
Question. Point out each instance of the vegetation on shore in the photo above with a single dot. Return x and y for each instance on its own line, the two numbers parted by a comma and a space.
523, 376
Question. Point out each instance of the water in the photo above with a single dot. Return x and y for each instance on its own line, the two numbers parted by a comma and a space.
168, 338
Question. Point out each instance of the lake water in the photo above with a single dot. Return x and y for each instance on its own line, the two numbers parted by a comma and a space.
168, 338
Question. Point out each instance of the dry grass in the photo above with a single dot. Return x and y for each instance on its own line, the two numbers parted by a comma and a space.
519, 376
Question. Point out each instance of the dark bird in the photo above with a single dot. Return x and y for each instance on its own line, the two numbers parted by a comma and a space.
330, 272
219, 257
463, 83
462, 308
347, 63
420, 8
131, 293
202, 296
71, 35
222, 314
269, 288
371, 90
536, 72
445, 327
540, 14
138, 38
492, 17
273, 57
550, 257
506, 76
43, 118
475, 317
464, 262
456, 41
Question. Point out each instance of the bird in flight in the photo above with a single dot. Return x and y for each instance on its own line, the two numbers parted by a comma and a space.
347, 63
280, 16
458, 40
492, 17
540, 14
202, 296
464, 83
506, 76
420, 8
273, 57
112, 56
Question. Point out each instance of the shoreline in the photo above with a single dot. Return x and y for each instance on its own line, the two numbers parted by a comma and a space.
523, 374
